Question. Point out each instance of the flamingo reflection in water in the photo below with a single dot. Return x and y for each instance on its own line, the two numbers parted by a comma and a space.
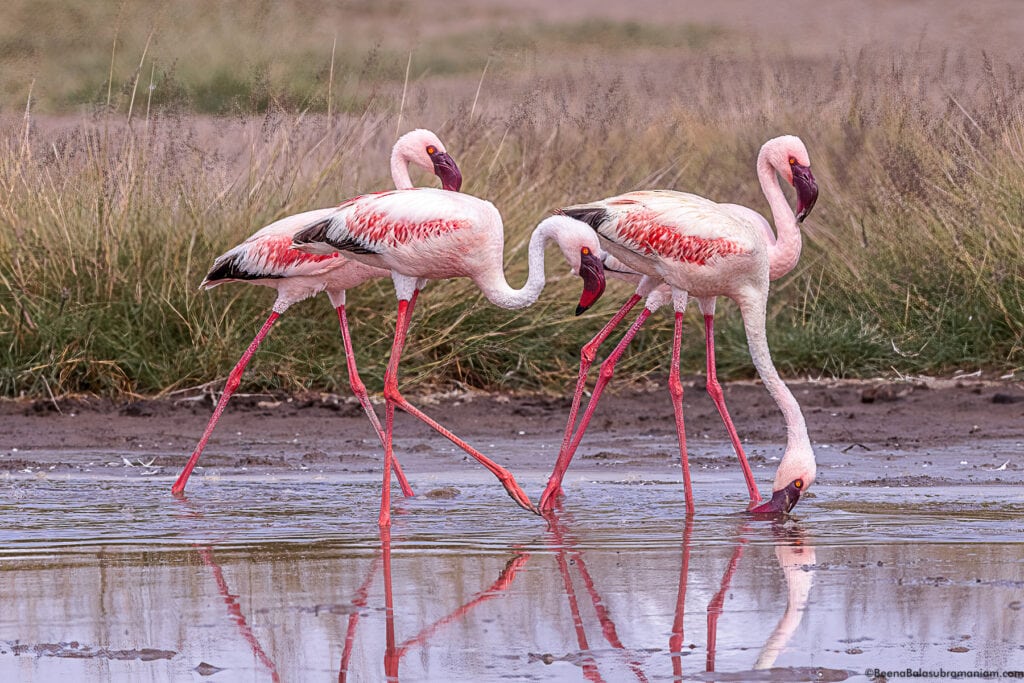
796, 560
234, 608
394, 651
793, 555
568, 554
235, 611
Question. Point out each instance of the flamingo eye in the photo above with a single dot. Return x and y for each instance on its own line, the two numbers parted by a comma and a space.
431, 150
792, 161
799, 483
585, 251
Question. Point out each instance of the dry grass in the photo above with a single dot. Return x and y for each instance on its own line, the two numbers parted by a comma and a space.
108, 220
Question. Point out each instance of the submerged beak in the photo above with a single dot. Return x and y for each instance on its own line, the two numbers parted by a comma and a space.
592, 272
782, 502
447, 170
806, 190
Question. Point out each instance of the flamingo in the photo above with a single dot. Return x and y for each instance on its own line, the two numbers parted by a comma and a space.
426, 234
700, 248
267, 259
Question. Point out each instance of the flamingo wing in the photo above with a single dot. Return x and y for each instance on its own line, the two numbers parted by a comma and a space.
385, 222
669, 225
268, 255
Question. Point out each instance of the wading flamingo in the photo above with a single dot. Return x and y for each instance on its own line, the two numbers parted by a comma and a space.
426, 234
267, 259
704, 249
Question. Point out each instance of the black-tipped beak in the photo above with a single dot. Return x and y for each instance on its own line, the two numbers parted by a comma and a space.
447, 170
806, 190
782, 501
592, 272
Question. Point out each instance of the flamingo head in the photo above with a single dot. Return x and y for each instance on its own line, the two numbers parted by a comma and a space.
582, 251
591, 269
788, 155
795, 475
423, 148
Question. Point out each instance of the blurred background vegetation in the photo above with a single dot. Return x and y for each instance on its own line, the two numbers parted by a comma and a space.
140, 140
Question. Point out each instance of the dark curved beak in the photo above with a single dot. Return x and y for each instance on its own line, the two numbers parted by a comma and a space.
592, 272
782, 502
806, 190
447, 170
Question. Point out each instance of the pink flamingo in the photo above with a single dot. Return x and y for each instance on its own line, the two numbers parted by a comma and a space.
706, 250
430, 234
267, 259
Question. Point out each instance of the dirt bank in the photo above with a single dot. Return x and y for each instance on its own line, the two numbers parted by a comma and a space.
330, 432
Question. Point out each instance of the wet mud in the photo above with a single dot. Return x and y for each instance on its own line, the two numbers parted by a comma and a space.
905, 554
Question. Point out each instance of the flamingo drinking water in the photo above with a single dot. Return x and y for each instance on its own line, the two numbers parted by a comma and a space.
267, 259
704, 249
428, 234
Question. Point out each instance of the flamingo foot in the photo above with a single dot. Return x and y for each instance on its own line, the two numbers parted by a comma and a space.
549, 497
516, 493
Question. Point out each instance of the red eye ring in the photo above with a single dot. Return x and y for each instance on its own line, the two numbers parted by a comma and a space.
431, 149
799, 483
585, 251
792, 161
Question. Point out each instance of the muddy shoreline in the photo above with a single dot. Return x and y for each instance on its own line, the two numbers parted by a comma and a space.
942, 423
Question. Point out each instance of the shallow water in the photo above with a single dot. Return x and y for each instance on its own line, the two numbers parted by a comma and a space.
270, 578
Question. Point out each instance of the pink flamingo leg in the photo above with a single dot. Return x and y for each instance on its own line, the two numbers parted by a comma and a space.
715, 392
675, 643
675, 389
359, 389
547, 499
394, 398
384, 520
587, 355
234, 379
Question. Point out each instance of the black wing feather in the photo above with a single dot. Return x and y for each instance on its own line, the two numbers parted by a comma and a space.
592, 216
319, 232
233, 268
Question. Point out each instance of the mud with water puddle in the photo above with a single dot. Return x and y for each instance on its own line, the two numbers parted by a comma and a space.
285, 576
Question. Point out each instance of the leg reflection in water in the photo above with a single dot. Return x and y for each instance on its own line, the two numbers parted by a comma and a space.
794, 557
675, 643
205, 551
394, 651
796, 560
235, 610
569, 552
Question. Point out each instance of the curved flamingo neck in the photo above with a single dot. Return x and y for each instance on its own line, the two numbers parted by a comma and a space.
400, 169
799, 455
783, 251
796, 428
496, 288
